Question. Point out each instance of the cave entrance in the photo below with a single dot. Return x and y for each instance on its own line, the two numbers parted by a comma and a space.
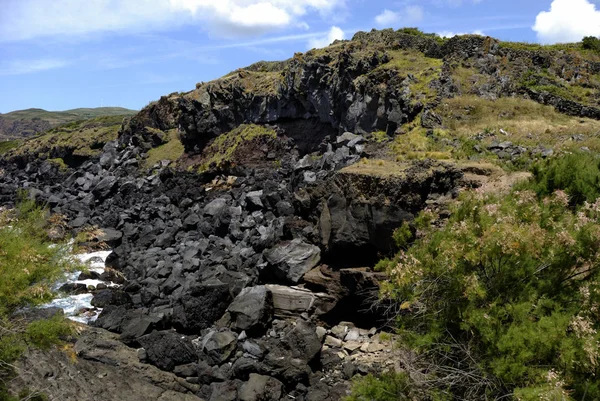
307, 134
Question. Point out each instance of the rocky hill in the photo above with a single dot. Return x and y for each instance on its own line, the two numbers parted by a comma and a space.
25, 123
246, 216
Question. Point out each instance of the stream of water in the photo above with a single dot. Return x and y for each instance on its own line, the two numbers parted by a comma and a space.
78, 307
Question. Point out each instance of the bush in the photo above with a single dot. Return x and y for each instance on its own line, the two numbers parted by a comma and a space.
591, 43
577, 174
44, 334
508, 291
388, 387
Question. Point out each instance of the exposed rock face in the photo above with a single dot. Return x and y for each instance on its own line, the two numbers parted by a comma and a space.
214, 264
100, 368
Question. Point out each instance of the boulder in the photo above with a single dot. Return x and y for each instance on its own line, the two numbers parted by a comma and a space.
105, 187
252, 310
430, 120
291, 260
346, 137
215, 207
167, 349
226, 391
202, 305
110, 297
218, 346
293, 301
261, 388
303, 341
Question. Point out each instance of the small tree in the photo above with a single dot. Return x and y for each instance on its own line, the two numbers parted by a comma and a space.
591, 43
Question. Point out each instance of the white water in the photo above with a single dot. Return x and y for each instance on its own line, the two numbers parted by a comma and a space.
72, 305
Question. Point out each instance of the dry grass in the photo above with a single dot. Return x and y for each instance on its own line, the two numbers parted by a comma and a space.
526, 122
378, 168
411, 62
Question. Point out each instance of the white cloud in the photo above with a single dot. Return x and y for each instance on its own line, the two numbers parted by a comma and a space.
18, 67
26, 19
413, 14
334, 33
567, 21
408, 15
450, 34
455, 3
387, 18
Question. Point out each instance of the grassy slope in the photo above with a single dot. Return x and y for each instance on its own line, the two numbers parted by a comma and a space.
23, 123
82, 138
61, 117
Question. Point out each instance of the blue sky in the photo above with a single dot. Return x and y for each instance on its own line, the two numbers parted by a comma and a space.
63, 54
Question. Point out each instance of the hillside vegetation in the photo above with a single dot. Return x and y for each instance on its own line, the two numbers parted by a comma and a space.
29, 267
72, 143
24, 123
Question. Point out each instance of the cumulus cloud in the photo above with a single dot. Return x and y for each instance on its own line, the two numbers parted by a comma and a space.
567, 21
26, 19
387, 18
450, 34
408, 15
335, 33
455, 3
18, 67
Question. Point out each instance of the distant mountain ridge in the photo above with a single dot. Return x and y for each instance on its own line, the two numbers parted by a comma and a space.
24, 123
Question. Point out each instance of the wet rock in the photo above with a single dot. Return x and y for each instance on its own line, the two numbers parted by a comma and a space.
73, 288
110, 296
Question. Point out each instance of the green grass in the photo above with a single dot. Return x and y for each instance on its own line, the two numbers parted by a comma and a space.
83, 138
172, 150
222, 150
5, 146
28, 267
572, 48
61, 117
423, 69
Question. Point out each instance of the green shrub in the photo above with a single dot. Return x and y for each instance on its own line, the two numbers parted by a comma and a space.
577, 174
45, 333
591, 43
402, 235
388, 387
508, 288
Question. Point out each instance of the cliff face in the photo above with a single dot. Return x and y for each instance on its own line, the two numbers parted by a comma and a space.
379, 81
248, 243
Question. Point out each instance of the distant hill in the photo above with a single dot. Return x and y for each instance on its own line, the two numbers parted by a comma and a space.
25, 123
